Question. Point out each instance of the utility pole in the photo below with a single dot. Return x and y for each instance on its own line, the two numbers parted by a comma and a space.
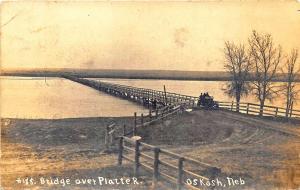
165, 95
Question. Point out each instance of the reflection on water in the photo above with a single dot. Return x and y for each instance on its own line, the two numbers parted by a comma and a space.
58, 98
193, 88
24, 97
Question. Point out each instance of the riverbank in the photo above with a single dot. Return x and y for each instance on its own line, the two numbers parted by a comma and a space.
130, 74
247, 147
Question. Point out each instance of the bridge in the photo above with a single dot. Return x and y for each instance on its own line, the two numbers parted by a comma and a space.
147, 97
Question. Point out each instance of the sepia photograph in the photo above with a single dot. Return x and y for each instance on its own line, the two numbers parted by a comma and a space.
150, 95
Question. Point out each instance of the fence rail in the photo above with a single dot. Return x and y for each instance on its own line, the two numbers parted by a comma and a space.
255, 109
113, 130
154, 159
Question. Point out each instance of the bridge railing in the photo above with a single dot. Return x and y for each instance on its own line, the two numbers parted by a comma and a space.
163, 164
136, 92
144, 92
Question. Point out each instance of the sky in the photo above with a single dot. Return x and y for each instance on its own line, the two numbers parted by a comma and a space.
138, 35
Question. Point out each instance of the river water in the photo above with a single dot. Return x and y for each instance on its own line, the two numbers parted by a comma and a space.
51, 98
58, 98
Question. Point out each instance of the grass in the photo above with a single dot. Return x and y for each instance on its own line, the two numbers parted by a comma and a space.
251, 148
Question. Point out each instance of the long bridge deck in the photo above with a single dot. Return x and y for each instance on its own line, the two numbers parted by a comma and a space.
150, 97
145, 96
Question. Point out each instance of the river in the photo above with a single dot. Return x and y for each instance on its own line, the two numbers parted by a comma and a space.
53, 98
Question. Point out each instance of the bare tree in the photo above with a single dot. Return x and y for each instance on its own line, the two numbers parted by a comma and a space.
265, 57
237, 64
291, 71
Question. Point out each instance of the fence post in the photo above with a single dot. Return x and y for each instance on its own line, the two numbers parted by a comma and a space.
134, 126
276, 112
112, 137
180, 173
142, 119
291, 110
106, 138
155, 166
137, 158
148, 93
247, 108
214, 172
231, 106
124, 130
237, 107
120, 151
261, 110
150, 114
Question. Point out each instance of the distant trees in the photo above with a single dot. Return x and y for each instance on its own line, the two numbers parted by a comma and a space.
291, 70
237, 64
265, 57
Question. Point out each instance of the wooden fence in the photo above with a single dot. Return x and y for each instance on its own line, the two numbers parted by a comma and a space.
142, 120
254, 109
157, 161
110, 135
159, 114
160, 162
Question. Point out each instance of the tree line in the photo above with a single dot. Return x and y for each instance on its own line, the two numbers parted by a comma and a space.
253, 67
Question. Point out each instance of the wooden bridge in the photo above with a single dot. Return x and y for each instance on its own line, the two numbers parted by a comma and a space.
145, 96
